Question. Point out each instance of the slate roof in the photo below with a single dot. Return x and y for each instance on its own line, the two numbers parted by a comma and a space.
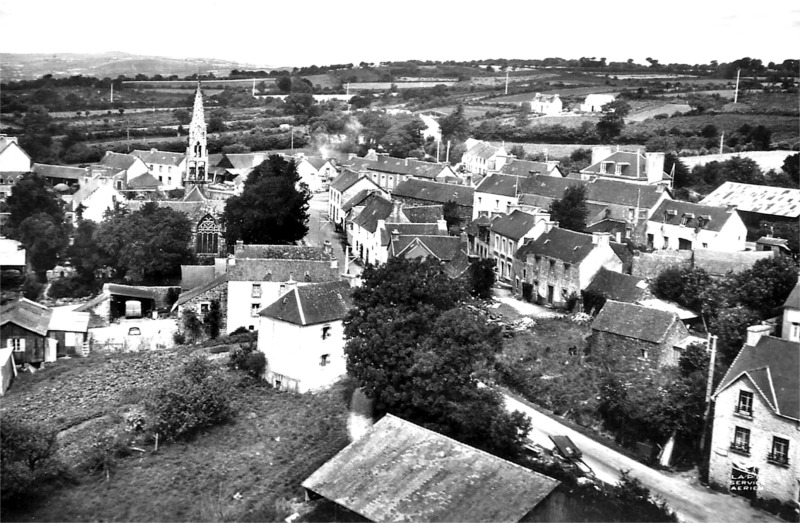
560, 244
196, 275
144, 181
356, 200
424, 213
515, 225
243, 161
376, 209
118, 160
195, 211
160, 157
403, 166
617, 287
762, 199
195, 195
316, 162
312, 304
27, 314
441, 247
793, 301
691, 215
634, 321
526, 168
399, 471
623, 193
282, 252
631, 167
60, 171
483, 150
345, 180
772, 365
458, 265
501, 185
435, 192
549, 186
719, 263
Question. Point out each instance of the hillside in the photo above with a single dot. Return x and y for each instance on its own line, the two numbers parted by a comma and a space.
14, 66
274, 442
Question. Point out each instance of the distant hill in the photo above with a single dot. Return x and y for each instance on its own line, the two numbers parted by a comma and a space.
101, 65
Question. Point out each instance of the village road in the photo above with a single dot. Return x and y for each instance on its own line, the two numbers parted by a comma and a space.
686, 496
321, 229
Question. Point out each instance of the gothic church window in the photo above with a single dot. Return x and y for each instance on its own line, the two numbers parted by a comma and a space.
208, 231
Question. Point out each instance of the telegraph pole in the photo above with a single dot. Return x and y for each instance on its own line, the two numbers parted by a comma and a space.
736, 92
712, 342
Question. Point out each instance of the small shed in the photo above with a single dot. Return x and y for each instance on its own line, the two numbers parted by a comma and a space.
121, 295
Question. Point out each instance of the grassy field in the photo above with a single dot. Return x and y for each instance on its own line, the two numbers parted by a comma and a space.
249, 469
784, 128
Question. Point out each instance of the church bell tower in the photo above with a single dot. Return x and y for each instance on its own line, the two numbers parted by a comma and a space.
197, 150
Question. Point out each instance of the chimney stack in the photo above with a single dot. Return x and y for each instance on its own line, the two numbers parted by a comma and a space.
601, 238
755, 332
548, 225
654, 164
730, 208
600, 153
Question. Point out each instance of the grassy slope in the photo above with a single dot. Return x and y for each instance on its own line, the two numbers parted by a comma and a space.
275, 441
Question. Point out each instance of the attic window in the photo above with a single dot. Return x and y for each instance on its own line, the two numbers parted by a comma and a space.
268, 276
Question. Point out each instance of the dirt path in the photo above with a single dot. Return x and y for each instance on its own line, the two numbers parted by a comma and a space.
360, 419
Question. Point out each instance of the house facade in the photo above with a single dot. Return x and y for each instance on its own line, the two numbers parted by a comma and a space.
495, 195
557, 266
629, 166
630, 336
342, 189
131, 166
200, 298
13, 159
484, 157
755, 444
547, 104
316, 173
260, 274
790, 327
388, 172
302, 336
680, 225
508, 233
166, 167
38, 334
414, 192
594, 102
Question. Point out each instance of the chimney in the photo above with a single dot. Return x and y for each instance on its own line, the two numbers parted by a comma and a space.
442, 225
239, 246
755, 332
600, 153
601, 238
395, 217
548, 226
654, 165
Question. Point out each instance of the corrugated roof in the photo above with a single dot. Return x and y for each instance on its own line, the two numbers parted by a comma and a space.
772, 364
399, 471
515, 225
762, 199
160, 157
312, 304
435, 192
27, 314
616, 286
560, 244
60, 171
634, 321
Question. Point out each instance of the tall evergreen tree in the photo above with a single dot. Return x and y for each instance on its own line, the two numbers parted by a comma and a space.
273, 207
570, 211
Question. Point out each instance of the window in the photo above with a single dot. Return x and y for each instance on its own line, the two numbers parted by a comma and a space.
204, 307
17, 344
567, 267
254, 308
643, 354
497, 204
780, 451
794, 334
745, 405
552, 265
666, 243
208, 232
525, 274
160, 168
631, 214
134, 331
256, 292
250, 328
741, 441
479, 200
326, 331
684, 245
324, 360
705, 246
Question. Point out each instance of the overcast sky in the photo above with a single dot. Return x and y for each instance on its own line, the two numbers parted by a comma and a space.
297, 33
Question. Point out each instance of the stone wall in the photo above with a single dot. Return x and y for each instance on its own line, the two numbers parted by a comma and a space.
774, 480
220, 292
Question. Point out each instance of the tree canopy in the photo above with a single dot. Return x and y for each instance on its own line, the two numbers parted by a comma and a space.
32, 195
570, 211
419, 353
455, 125
273, 207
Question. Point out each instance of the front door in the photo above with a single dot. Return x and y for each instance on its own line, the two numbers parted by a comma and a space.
550, 292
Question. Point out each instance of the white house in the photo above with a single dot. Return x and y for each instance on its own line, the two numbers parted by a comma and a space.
547, 104
484, 157
13, 159
755, 443
791, 316
594, 102
133, 166
347, 185
316, 173
97, 195
688, 226
260, 274
165, 166
495, 195
302, 336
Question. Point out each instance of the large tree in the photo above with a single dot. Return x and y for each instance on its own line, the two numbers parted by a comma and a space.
32, 195
273, 207
152, 242
45, 240
611, 124
419, 353
84, 254
570, 211
455, 125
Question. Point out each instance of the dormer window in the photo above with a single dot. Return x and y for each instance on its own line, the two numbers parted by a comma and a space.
686, 218
604, 167
703, 219
617, 169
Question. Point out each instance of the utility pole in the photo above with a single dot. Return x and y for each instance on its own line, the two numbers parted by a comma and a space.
292, 139
112, 93
438, 145
721, 141
447, 156
712, 342
506, 81
736, 92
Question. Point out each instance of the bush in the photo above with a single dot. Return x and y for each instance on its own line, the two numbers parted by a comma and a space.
31, 289
27, 459
179, 338
73, 287
247, 358
193, 397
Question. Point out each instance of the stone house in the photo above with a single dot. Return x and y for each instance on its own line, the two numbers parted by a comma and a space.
508, 233
755, 444
199, 300
260, 274
688, 226
632, 336
302, 336
560, 263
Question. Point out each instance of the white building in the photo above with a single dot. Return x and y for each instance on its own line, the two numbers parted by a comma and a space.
791, 316
594, 102
165, 166
12, 158
547, 104
347, 185
687, 226
495, 195
316, 173
302, 336
484, 157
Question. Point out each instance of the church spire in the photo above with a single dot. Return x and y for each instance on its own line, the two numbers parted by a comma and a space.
196, 151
